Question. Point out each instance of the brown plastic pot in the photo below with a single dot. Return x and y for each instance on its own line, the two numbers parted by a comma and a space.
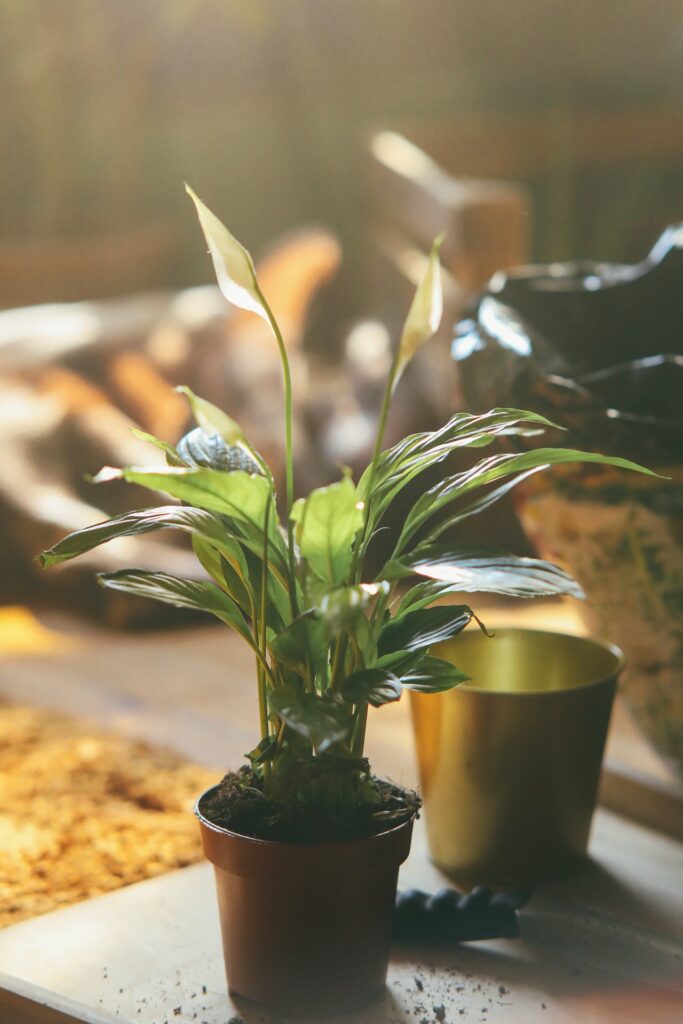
306, 927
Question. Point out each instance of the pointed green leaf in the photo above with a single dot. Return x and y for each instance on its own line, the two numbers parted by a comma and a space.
302, 646
399, 662
263, 751
341, 606
433, 675
419, 629
495, 468
235, 581
241, 496
172, 456
232, 263
422, 595
419, 452
374, 686
195, 521
199, 596
322, 720
211, 419
425, 312
210, 451
485, 569
327, 522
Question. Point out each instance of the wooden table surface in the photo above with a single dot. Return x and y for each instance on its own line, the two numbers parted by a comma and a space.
606, 945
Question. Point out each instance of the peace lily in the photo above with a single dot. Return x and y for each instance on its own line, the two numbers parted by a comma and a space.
327, 641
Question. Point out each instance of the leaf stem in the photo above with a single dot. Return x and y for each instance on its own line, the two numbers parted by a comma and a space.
289, 449
263, 697
358, 741
379, 438
338, 661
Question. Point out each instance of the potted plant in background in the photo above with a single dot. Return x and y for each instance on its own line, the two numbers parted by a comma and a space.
306, 841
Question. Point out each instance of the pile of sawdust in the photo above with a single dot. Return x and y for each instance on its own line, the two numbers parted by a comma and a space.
83, 812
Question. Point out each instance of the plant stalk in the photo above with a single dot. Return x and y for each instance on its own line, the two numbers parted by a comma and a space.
289, 448
379, 438
263, 696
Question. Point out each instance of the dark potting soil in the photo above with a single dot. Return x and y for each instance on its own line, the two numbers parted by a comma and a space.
239, 804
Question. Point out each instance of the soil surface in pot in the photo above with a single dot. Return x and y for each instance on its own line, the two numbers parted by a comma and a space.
240, 805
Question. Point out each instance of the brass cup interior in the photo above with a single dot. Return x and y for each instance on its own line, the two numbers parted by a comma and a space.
510, 761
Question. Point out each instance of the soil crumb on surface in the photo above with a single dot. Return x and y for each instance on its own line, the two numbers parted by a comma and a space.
83, 811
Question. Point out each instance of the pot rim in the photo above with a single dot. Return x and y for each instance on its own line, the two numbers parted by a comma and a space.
605, 645
351, 843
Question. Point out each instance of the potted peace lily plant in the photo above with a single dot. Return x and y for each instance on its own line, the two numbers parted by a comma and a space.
305, 840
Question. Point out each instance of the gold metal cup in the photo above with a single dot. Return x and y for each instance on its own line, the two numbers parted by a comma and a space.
510, 762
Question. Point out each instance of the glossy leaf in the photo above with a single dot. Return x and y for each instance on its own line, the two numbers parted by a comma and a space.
198, 596
195, 521
211, 451
484, 569
400, 662
211, 419
232, 263
235, 582
326, 523
419, 629
495, 468
341, 606
422, 595
171, 452
425, 312
263, 751
241, 496
374, 686
433, 675
481, 504
414, 455
322, 720
302, 646
276, 586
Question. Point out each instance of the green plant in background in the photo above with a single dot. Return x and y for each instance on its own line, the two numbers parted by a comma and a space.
329, 642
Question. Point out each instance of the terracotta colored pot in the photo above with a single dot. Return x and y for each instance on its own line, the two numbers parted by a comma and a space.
306, 928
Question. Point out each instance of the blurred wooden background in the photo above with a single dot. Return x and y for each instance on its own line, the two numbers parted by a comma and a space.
267, 107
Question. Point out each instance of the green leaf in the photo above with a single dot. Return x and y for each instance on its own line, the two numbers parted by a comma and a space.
322, 720
482, 503
400, 662
241, 496
494, 468
172, 456
232, 263
418, 629
302, 646
195, 521
327, 522
341, 607
236, 583
433, 675
364, 638
417, 453
485, 569
211, 419
263, 751
199, 596
422, 595
197, 448
374, 686
425, 312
